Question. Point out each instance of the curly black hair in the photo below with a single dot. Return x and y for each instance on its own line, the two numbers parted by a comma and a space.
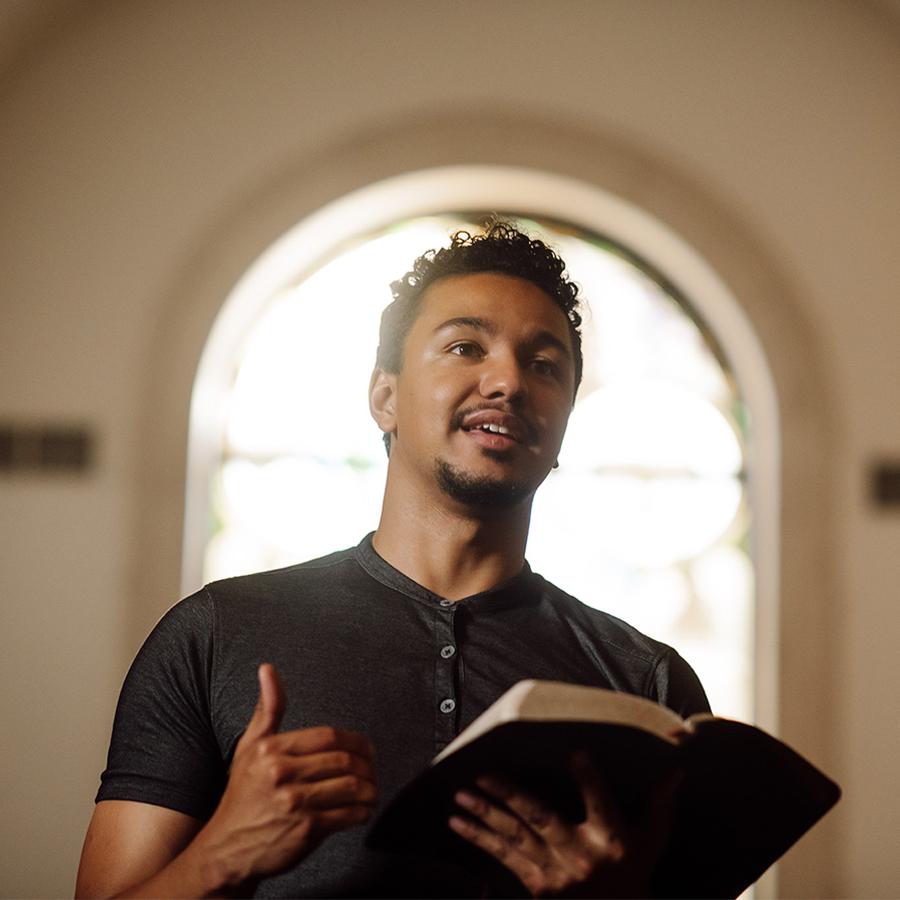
501, 248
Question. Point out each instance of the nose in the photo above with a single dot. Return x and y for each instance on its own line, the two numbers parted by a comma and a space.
502, 378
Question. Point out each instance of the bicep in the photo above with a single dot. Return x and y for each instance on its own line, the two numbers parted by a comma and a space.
128, 842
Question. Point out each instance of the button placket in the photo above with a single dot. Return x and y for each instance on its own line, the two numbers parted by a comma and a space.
445, 701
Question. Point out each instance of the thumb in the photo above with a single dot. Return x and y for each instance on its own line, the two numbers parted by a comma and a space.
266, 718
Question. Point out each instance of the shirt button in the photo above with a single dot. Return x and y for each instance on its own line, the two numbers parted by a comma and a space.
448, 705
448, 651
446, 603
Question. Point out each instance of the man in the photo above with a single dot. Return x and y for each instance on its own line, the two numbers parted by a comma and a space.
365, 663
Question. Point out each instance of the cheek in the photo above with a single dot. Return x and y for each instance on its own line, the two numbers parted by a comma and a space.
443, 394
555, 422
448, 395
428, 405
552, 406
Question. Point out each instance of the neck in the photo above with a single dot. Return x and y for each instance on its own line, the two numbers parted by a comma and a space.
452, 550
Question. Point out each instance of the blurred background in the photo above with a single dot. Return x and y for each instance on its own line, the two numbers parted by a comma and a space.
201, 207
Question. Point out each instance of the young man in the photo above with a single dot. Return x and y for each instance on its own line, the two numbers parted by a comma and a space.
364, 664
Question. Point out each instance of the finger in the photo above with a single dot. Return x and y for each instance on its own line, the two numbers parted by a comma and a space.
665, 789
658, 812
529, 871
267, 715
328, 821
680, 733
503, 823
599, 805
321, 766
347, 790
544, 822
657, 820
322, 739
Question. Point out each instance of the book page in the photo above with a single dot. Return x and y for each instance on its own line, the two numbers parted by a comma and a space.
555, 701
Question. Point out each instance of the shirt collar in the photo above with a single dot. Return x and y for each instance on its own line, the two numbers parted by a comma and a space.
521, 588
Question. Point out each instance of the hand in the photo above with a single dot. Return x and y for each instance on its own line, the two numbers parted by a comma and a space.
600, 857
285, 794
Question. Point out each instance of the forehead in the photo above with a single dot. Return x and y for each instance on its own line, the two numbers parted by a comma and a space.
517, 307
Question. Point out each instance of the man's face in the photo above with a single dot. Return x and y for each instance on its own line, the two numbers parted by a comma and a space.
484, 395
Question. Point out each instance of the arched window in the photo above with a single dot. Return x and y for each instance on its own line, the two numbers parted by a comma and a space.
651, 515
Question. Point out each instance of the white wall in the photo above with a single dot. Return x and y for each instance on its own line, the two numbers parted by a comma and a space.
136, 134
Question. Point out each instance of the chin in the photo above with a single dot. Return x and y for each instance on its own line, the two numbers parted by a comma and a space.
479, 490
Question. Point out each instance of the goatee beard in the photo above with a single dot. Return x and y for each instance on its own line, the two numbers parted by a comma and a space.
479, 491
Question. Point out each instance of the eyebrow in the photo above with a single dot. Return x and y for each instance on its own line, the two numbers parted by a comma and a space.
468, 322
542, 337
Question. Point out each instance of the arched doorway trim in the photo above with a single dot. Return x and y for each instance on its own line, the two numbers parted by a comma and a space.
691, 201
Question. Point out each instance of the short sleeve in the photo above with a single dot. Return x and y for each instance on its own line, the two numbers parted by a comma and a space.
677, 686
163, 749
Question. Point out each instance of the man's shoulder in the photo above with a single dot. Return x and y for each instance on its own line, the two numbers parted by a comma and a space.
602, 626
631, 660
292, 577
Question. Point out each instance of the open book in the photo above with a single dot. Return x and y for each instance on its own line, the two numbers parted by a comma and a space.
745, 798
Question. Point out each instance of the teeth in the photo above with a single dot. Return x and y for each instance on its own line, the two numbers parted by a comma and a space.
495, 429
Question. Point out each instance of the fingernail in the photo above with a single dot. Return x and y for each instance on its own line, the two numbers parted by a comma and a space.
466, 800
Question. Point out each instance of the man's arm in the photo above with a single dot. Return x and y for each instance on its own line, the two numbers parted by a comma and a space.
129, 842
285, 794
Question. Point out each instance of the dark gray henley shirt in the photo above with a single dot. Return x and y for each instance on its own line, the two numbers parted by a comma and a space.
361, 647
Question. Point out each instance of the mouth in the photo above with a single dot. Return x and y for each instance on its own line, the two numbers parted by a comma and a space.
495, 429
492, 440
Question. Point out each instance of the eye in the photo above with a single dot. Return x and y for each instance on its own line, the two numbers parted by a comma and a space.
465, 348
544, 366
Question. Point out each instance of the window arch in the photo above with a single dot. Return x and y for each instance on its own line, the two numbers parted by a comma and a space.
721, 386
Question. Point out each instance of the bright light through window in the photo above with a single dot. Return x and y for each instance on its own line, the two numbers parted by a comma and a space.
647, 515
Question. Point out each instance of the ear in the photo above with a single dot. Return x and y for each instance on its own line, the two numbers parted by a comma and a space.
383, 400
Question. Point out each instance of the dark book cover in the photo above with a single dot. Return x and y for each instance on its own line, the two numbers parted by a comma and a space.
745, 797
